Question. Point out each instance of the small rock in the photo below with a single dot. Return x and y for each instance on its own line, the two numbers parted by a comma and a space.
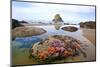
70, 29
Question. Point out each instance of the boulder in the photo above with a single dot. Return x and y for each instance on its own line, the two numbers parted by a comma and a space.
27, 31
56, 46
70, 29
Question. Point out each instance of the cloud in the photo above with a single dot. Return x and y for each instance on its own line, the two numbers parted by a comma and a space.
46, 12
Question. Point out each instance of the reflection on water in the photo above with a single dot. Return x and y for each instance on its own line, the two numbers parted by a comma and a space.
27, 41
57, 25
52, 31
21, 46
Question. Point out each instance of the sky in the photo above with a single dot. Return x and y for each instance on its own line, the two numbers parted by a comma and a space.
45, 12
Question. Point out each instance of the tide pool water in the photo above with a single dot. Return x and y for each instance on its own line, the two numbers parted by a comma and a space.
22, 45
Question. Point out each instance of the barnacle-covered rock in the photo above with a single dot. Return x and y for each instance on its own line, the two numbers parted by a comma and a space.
56, 46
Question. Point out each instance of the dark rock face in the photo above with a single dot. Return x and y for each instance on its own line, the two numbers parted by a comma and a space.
15, 23
88, 24
70, 28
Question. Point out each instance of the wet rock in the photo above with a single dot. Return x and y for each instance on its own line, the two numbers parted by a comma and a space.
56, 46
70, 29
27, 31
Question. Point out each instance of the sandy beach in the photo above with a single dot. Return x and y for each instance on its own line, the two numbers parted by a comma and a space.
90, 35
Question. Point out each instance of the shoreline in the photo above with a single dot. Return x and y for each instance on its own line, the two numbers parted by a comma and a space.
90, 35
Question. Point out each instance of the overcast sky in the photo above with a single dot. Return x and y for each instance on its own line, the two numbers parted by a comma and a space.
46, 12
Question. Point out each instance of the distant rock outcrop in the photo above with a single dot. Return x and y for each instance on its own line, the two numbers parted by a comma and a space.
23, 21
57, 21
57, 18
88, 24
15, 23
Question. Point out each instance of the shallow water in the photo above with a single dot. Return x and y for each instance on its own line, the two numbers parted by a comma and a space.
52, 31
21, 46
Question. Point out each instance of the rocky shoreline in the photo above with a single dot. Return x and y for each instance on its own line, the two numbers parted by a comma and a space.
88, 25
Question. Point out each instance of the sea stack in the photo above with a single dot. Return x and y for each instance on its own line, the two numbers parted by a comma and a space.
57, 21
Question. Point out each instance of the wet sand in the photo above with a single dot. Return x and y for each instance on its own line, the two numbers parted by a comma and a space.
90, 35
